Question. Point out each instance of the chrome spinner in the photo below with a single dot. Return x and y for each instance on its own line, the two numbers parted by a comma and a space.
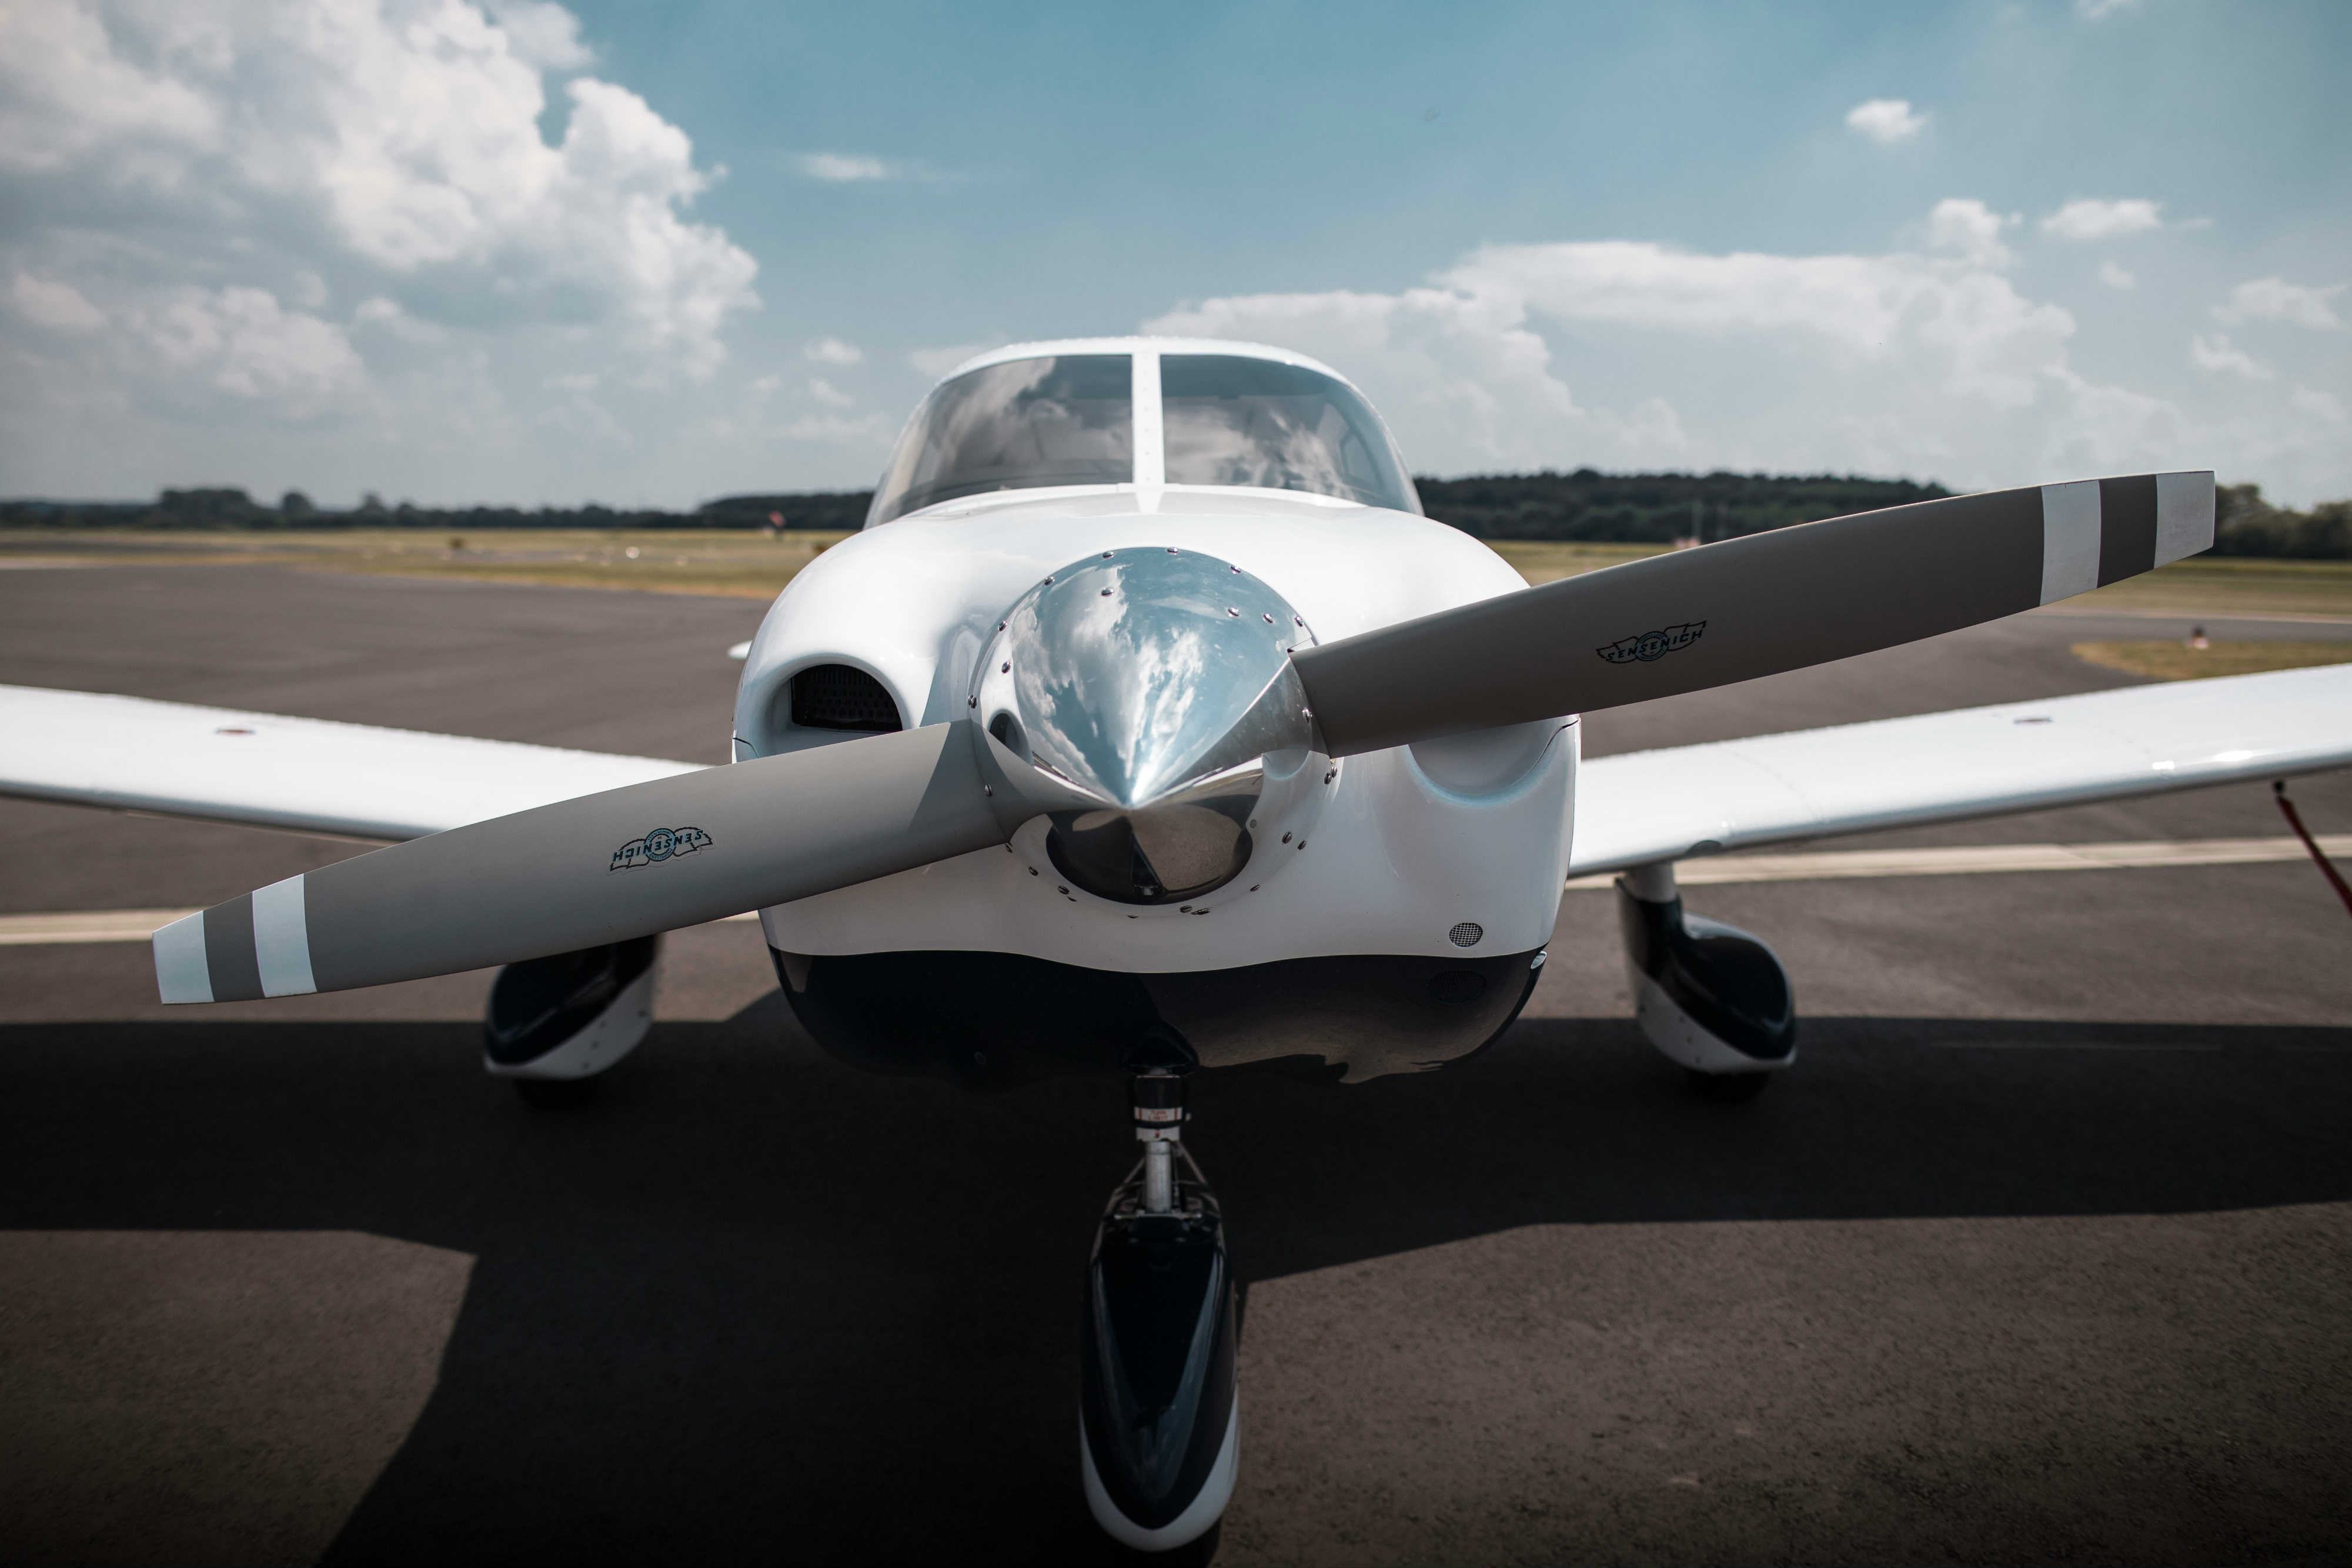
1156, 685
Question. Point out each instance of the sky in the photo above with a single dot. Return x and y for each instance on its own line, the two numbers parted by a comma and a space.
513, 252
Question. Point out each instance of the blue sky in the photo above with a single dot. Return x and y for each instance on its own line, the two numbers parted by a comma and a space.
528, 253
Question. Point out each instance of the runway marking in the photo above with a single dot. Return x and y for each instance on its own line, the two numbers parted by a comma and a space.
1979, 858
83, 925
88, 926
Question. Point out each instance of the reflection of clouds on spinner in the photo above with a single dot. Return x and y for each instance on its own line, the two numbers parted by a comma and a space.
1157, 684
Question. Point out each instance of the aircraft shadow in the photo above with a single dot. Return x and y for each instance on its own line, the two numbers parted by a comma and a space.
749, 1304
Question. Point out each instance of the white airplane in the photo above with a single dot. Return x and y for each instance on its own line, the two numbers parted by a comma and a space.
1148, 726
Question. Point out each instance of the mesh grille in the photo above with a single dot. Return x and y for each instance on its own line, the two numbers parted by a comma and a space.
835, 696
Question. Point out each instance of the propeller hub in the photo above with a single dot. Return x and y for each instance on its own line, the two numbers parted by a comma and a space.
1157, 685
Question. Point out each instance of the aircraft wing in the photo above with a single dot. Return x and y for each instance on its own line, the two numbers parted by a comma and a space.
316, 774
1648, 806
225, 765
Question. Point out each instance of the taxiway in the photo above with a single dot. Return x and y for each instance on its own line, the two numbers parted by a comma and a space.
2042, 1252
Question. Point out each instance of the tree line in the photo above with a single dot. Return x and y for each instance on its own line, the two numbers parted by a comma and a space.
228, 508
2245, 524
1584, 505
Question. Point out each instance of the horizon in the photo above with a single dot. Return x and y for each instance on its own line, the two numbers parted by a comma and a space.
262, 501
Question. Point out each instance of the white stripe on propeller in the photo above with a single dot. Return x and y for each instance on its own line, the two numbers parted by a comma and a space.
2070, 539
281, 942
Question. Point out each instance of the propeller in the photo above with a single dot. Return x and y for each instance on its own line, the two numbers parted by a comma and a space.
700, 846
603, 868
1747, 607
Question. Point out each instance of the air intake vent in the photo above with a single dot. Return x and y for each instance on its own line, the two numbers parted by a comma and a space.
837, 696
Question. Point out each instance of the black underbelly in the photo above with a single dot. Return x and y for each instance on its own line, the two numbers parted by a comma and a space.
994, 1020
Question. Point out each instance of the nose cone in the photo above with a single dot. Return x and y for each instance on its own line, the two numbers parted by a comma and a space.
1137, 671
1158, 682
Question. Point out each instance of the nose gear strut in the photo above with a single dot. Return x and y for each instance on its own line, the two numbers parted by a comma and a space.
1158, 1423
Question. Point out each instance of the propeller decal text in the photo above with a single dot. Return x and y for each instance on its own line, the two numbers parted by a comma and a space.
1652, 646
660, 845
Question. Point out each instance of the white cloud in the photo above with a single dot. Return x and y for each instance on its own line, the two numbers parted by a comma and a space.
2100, 10
66, 94
1970, 230
937, 362
1626, 354
2088, 219
2327, 407
1885, 120
2219, 355
384, 317
213, 173
2276, 299
838, 430
2114, 277
832, 351
846, 168
244, 342
398, 244
59, 307
831, 396
542, 35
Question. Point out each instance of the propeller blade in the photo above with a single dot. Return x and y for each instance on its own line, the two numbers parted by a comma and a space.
1747, 607
603, 868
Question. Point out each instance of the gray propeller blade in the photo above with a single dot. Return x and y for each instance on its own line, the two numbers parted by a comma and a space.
603, 868
1747, 607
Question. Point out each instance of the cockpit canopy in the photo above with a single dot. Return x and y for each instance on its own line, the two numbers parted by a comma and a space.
1228, 414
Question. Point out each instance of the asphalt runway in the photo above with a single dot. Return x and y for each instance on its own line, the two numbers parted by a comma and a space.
2041, 1253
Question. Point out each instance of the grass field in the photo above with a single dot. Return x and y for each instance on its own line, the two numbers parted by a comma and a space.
743, 564
2206, 586
2166, 660
732, 562
1544, 562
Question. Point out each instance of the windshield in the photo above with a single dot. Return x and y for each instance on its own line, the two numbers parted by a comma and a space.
1233, 419
1065, 420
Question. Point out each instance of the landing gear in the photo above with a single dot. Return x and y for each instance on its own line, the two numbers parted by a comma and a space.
1711, 996
1158, 1423
556, 1025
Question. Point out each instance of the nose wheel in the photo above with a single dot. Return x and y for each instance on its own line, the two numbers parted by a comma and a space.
1159, 1422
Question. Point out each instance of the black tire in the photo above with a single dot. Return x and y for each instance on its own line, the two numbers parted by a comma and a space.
1724, 1088
555, 1094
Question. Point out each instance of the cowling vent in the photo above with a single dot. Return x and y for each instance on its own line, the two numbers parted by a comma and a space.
841, 697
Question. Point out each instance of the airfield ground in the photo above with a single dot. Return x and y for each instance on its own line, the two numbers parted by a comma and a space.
742, 563
2041, 1253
